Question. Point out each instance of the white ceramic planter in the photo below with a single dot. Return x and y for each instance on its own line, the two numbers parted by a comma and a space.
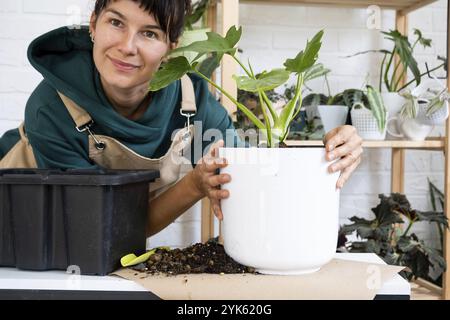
332, 116
393, 102
282, 216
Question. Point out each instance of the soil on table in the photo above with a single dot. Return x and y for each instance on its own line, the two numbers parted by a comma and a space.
198, 258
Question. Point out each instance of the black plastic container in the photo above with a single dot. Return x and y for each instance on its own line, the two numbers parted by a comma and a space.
52, 219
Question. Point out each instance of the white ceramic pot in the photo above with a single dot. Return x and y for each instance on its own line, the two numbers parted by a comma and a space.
332, 116
393, 103
409, 129
282, 216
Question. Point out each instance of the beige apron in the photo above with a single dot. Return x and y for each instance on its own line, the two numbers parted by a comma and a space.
21, 155
111, 154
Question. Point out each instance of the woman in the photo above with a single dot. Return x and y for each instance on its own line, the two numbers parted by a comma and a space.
93, 108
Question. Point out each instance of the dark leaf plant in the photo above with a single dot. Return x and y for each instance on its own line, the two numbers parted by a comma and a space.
383, 236
275, 126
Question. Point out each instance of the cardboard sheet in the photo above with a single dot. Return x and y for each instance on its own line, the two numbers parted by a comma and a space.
339, 279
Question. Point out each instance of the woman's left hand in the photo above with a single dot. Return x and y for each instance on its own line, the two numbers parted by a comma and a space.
344, 143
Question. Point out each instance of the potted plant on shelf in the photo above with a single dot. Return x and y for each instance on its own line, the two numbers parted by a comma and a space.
368, 113
392, 73
266, 225
425, 106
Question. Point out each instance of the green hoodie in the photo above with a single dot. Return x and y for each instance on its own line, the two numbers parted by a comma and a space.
64, 58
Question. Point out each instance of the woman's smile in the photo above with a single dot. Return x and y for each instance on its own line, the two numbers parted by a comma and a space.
122, 65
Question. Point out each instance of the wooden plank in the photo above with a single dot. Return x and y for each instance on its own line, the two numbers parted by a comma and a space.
429, 144
230, 16
416, 6
405, 6
398, 170
206, 221
446, 277
430, 286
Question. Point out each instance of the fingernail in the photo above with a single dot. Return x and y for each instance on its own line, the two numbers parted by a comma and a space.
330, 147
331, 156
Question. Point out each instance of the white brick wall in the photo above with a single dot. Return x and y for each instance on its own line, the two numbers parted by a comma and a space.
271, 34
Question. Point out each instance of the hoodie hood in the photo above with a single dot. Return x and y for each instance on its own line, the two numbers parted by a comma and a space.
64, 58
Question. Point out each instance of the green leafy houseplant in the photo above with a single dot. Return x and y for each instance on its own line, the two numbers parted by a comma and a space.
435, 99
353, 98
382, 236
389, 70
199, 10
275, 126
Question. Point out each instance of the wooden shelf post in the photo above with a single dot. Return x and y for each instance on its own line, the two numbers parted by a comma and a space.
446, 246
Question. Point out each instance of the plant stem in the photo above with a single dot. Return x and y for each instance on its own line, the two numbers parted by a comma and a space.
438, 67
411, 222
393, 75
270, 106
386, 80
298, 90
243, 108
266, 120
250, 74
381, 71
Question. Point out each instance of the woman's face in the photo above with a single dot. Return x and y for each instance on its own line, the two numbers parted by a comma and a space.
129, 44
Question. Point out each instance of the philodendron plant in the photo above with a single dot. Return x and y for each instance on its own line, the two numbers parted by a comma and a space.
275, 126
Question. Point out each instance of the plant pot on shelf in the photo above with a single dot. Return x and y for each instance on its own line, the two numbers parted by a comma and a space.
271, 226
408, 128
332, 116
436, 118
393, 103
366, 124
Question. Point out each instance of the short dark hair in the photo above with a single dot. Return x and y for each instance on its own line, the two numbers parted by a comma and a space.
170, 14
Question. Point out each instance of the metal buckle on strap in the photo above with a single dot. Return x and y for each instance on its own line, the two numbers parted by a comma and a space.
188, 115
100, 145
187, 135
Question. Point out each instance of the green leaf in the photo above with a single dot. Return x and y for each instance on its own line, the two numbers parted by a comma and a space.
306, 58
377, 107
316, 71
314, 99
423, 41
214, 44
170, 71
233, 36
264, 81
404, 50
432, 216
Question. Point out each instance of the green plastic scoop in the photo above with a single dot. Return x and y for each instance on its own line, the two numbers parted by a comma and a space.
132, 260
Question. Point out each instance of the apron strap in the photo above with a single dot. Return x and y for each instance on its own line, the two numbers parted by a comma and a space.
83, 119
78, 114
188, 96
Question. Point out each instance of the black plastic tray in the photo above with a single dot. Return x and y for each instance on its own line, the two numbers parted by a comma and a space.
51, 219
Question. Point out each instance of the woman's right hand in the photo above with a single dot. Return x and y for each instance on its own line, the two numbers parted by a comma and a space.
208, 182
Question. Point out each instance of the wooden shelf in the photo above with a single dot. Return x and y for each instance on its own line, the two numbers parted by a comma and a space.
403, 6
429, 144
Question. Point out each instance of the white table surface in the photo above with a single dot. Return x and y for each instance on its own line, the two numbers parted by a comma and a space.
14, 279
